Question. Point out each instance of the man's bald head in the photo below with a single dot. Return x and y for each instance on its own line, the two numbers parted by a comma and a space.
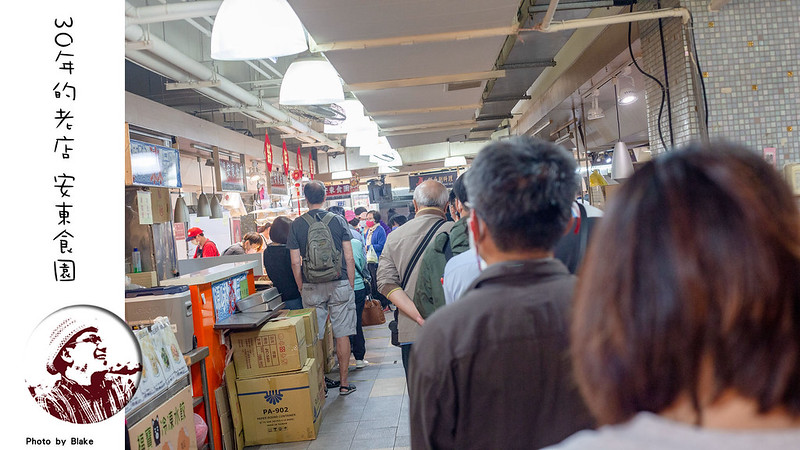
431, 194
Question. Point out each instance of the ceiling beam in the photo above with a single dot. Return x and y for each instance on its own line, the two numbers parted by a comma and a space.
191, 85
427, 81
415, 39
530, 65
427, 128
399, 112
510, 98
572, 6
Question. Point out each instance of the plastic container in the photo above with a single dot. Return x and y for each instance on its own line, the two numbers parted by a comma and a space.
136, 260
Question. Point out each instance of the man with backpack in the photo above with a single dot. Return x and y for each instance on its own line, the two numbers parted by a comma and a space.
324, 269
429, 295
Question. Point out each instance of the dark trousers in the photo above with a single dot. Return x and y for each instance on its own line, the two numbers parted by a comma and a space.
373, 272
357, 343
405, 350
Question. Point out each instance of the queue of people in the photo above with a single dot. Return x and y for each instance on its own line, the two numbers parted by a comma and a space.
670, 321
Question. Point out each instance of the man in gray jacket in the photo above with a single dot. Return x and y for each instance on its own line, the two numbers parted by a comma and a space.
430, 201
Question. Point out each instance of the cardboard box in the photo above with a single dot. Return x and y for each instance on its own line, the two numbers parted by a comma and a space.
319, 357
309, 315
225, 418
236, 414
282, 408
171, 425
278, 346
144, 279
328, 347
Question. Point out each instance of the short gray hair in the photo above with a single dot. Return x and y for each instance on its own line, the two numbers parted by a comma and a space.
431, 193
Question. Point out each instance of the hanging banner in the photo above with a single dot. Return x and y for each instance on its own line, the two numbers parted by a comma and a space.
310, 167
268, 152
285, 160
299, 161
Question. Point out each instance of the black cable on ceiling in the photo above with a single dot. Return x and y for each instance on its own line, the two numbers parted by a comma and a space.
666, 77
699, 70
663, 90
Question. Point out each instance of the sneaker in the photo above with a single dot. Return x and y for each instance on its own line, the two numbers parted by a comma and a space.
361, 363
387, 309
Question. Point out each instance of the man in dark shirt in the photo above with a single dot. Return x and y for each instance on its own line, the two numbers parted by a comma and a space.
336, 297
492, 370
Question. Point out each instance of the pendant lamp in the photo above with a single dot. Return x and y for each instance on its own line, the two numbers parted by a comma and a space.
181, 213
311, 80
239, 30
621, 164
203, 209
216, 207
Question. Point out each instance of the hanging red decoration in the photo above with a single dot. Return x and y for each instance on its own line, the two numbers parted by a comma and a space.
299, 161
268, 152
310, 167
285, 160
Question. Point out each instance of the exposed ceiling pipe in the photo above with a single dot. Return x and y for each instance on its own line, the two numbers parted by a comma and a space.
164, 69
170, 11
611, 20
165, 51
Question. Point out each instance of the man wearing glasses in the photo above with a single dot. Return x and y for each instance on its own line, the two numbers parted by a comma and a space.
87, 391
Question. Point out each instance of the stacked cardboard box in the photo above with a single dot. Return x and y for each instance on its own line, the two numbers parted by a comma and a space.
278, 390
328, 347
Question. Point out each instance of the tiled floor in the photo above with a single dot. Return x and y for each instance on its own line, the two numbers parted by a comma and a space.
375, 416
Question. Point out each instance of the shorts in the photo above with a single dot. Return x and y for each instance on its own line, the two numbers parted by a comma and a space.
336, 297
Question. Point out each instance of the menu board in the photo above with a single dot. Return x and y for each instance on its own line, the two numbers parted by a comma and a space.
446, 178
226, 293
231, 176
337, 191
155, 165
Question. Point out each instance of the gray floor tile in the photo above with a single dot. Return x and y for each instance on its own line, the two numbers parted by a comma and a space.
372, 444
369, 430
403, 427
301, 445
402, 441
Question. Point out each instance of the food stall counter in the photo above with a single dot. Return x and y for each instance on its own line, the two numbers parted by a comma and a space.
214, 292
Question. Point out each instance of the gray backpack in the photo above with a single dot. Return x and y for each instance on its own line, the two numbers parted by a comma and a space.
323, 261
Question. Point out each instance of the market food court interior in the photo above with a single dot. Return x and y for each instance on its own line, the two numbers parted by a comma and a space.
234, 107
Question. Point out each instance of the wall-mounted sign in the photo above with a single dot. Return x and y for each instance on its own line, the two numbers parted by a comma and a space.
277, 183
337, 191
155, 165
446, 178
231, 175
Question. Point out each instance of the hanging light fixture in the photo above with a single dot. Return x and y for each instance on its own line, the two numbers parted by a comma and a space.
216, 207
621, 164
595, 112
203, 209
181, 211
238, 32
311, 80
627, 89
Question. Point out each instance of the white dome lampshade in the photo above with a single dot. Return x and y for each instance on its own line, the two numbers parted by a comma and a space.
621, 164
311, 80
238, 32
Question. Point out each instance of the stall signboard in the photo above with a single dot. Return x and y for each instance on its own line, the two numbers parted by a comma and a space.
226, 293
446, 178
231, 175
277, 183
155, 165
335, 191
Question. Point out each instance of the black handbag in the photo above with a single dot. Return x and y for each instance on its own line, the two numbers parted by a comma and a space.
407, 274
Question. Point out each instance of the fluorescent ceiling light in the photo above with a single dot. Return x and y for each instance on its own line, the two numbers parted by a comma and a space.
378, 146
365, 135
455, 161
342, 175
240, 31
353, 113
311, 80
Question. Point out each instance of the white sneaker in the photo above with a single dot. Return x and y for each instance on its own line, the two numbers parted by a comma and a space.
361, 363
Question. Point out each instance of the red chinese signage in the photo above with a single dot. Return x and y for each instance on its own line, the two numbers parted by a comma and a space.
299, 161
285, 160
268, 152
338, 191
310, 167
